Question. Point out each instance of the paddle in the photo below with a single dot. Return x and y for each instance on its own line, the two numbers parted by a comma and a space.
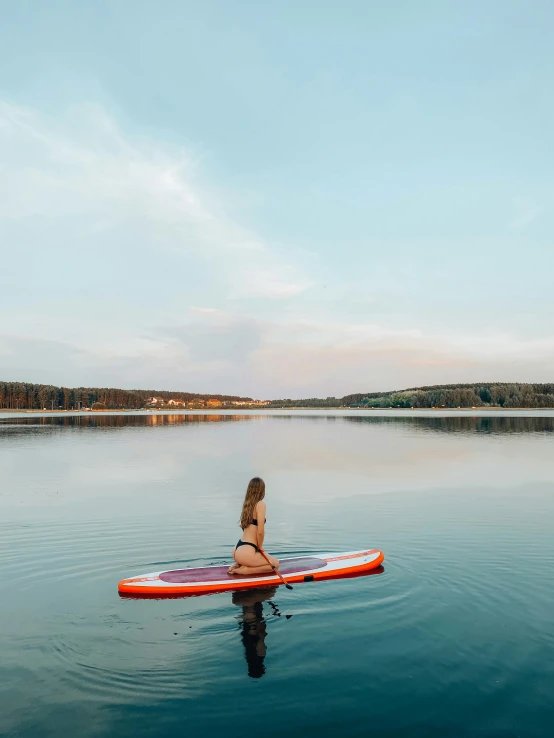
287, 585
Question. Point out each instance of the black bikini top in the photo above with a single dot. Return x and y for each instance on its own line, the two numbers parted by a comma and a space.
255, 521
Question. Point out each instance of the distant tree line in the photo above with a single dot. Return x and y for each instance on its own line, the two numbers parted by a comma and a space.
24, 396
461, 395
443, 395
309, 402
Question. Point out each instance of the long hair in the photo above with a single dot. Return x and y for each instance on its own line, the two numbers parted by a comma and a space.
254, 493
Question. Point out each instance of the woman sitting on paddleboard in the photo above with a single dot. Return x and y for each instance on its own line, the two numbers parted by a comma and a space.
248, 559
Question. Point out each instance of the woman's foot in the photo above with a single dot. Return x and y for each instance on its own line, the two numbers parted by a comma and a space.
232, 569
246, 571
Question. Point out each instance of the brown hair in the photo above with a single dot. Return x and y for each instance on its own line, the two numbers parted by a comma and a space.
254, 493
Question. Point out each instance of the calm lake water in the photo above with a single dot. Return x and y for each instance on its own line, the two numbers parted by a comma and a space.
454, 638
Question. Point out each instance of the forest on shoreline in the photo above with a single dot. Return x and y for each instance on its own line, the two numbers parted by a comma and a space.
443, 395
25, 396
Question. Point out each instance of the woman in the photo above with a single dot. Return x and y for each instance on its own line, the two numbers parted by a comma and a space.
248, 559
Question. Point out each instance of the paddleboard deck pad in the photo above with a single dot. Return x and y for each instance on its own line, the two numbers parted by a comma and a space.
210, 579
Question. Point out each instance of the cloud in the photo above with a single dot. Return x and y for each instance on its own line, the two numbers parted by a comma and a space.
83, 182
260, 281
112, 250
213, 335
215, 351
319, 358
24, 359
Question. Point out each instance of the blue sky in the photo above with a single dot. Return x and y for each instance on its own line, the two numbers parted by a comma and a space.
287, 199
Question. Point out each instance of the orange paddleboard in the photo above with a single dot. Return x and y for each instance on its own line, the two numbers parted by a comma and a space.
210, 579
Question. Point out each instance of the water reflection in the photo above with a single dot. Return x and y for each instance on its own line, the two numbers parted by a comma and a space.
468, 424
121, 421
253, 626
253, 623
452, 624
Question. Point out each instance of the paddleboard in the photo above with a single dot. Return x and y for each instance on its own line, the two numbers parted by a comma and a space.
210, 579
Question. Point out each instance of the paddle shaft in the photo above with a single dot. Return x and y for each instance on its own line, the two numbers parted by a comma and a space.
287, 585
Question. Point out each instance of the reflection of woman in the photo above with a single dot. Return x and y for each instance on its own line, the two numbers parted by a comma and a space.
253, 627
248, 559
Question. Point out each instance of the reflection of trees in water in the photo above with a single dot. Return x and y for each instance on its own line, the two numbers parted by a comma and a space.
123, 420
253, 626
465, 424
468, 424
440, 424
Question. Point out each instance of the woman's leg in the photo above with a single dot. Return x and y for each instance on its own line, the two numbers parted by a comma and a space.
250, 570
252, 562
273, 561
235, 565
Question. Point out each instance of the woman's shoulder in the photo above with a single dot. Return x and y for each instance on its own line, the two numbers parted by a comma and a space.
261, 506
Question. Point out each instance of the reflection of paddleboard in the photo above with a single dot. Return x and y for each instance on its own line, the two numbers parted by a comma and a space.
216, 579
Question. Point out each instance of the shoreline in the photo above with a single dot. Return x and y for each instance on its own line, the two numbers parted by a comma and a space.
284, 410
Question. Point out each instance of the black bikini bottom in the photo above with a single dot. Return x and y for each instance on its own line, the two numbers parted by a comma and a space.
247, 543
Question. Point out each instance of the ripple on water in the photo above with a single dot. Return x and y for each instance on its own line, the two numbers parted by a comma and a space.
89, 671
52, 552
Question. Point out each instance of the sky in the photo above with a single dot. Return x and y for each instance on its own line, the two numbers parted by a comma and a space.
288, 199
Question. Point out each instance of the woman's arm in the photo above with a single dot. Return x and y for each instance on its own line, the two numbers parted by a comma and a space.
260, 515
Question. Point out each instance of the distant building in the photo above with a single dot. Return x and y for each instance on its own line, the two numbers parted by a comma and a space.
176, 403
155, 401
195, 403
250, 403
213, 403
